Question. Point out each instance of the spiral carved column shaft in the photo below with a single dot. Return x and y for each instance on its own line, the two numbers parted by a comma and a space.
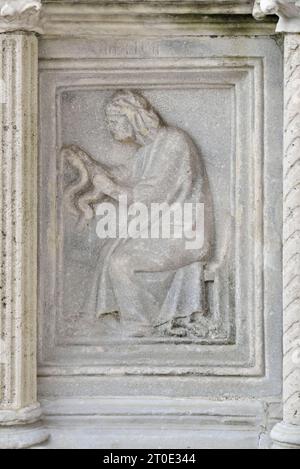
291, 236
287, 434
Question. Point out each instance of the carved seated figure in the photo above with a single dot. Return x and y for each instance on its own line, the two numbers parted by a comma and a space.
154, 285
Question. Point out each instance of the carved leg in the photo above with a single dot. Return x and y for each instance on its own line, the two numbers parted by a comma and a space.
143, 274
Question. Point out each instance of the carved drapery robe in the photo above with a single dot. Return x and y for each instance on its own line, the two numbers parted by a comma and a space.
151, 282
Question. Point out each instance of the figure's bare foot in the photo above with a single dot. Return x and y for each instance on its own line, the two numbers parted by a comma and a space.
184, 327
199, 327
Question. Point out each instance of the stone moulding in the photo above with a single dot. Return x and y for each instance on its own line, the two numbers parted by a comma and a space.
94, 19
195, 6
239, 72
90, 18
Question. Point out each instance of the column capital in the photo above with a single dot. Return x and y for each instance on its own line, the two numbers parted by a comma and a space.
287, 10
20, 15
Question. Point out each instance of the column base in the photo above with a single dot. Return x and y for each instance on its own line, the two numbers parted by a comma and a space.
286, 436
22, 429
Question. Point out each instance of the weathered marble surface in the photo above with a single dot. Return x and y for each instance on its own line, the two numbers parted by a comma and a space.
210, 88
238, 82
150, 283
18, 195
81, 18
287, 433
160, 422
20, 15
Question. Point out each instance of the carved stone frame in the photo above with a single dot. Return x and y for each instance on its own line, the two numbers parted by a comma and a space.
20, 21
237, 75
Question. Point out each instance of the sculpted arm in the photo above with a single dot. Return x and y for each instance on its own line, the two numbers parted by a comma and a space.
112, 188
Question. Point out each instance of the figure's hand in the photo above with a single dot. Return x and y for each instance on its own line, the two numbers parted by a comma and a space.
107, 186
87, 190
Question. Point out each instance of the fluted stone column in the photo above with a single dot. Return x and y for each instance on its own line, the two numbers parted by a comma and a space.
287, 433
20, 414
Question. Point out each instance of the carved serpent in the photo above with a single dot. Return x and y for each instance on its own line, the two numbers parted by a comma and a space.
82, 194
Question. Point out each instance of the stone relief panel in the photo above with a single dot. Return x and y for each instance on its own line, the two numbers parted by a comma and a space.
150, 281
193, 133
199, 276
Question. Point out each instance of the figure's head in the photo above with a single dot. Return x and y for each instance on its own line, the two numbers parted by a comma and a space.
131, 118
